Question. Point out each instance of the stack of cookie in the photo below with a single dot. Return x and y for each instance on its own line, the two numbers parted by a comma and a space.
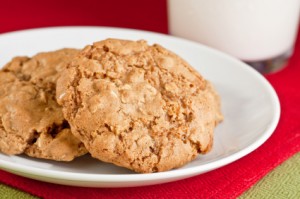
137, 106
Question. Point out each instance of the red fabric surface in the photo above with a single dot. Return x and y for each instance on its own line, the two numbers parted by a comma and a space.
227, 182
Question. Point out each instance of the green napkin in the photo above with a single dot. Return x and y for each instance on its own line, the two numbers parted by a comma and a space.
283, 182
7, 192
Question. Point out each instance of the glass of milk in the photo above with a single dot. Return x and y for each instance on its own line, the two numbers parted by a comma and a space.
259, 32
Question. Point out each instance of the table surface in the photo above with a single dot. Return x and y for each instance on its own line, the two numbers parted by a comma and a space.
280, 178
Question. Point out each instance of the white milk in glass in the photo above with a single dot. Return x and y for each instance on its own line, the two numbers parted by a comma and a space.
251, 30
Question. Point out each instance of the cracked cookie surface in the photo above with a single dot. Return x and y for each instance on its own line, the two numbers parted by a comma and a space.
31, 121
138, 106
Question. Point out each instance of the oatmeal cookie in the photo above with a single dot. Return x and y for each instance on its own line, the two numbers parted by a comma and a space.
138, 106
31, 121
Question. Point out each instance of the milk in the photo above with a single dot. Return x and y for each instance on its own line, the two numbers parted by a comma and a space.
251, 30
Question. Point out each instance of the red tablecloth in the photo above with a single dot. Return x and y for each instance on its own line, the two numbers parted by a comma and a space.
227, 182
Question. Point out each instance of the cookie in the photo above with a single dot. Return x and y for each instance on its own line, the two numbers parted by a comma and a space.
138, 106
31, 121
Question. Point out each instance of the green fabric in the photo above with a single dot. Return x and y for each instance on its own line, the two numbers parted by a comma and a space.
283, 182
7, 192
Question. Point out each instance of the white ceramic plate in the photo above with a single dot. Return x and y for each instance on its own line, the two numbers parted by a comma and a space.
250, 106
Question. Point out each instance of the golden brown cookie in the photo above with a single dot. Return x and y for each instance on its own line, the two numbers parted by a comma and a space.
31, 121
138, 106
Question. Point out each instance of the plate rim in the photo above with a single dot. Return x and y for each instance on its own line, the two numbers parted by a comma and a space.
86, 177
